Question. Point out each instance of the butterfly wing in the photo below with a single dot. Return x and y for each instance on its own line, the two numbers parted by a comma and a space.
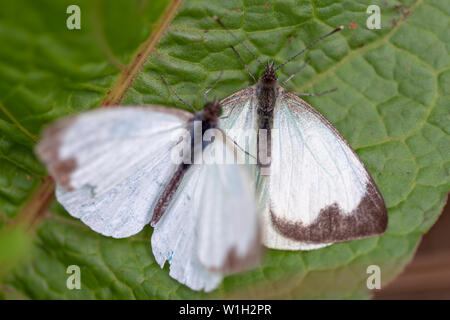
239, 120
111, 164
320, 192
101, 147
241, 124
272, 238
229, 218
211, 227
175, 239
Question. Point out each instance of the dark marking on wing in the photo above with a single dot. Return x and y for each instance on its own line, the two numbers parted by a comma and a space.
332, 225
234, 263
52, 138
368, 219
166, 197
48, 151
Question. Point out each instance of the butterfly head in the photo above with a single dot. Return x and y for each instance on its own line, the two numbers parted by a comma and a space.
269, 76
212, 111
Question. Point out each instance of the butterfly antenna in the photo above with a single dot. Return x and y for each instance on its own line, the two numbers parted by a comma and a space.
245, 65
229, 139
296, 72
310, 45
315, 93
179, 98
212, 87
235, 38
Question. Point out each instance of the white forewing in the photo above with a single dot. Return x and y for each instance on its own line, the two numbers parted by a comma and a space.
100, 148
239, 110
211, 226
239, 119
110, 165
313, 171
125, 208
319, 190
312, 168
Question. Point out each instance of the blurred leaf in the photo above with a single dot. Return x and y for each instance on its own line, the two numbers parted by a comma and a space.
13, 245
392, 106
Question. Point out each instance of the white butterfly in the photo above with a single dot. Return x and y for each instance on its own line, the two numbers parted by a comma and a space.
114, 168
313, 189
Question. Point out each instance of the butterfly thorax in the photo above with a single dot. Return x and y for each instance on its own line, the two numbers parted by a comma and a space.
267, 89
207, 118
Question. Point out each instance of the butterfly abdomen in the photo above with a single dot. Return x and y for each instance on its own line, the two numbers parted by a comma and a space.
267, 91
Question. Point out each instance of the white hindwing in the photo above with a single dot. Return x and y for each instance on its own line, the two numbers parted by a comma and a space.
211, 226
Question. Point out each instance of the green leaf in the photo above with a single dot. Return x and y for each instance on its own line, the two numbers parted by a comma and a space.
393, 106
13, 244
